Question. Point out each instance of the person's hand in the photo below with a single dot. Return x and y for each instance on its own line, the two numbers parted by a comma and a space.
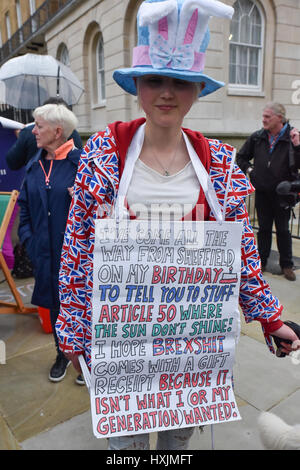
74, 359
295, 138
296, 345
286, 333
288, 348
17, 132
71, 191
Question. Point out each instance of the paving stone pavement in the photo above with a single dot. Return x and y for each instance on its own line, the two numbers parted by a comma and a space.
36, 414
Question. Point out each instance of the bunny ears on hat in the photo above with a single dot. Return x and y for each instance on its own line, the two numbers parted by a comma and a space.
172, 39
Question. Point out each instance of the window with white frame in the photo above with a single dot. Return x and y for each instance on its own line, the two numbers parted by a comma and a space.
63, 55
32, 9
8, 30
8, 27
246, 46
100, 70
19, 19
32, 6
1, 56
19, 13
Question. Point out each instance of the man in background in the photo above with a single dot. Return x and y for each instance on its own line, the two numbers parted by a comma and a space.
266, 158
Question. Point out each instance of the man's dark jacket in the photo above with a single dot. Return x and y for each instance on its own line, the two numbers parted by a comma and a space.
269, 169
25, 148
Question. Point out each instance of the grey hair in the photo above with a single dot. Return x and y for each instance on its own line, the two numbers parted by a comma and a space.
58, 115
278, 109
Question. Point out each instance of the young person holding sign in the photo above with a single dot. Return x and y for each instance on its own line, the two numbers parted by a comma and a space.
136, 171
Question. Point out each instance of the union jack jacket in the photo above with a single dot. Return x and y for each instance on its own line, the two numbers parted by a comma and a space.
95, 191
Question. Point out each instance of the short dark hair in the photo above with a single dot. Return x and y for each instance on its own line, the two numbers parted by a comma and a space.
56, 100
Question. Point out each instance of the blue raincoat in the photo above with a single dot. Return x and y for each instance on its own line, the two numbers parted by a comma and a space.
43, 218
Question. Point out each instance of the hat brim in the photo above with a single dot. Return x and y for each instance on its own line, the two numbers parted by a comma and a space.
125, 78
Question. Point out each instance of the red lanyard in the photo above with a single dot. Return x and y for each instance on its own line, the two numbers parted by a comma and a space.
47, 176
273, 140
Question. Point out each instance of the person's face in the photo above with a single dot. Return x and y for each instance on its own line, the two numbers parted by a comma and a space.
166, 100
44, 132
271, 122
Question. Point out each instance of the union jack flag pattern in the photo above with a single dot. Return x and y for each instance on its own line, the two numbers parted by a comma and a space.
95, 191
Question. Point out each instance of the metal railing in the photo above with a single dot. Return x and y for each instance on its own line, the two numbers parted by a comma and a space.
20, 115
29, 30
294, 221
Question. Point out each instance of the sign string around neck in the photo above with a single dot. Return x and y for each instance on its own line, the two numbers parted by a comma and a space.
133, 154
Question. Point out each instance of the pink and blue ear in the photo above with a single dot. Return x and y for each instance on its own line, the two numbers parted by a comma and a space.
205, 41
163, 27
191, 28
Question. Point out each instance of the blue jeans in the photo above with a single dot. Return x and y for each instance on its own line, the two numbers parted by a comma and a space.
175, 439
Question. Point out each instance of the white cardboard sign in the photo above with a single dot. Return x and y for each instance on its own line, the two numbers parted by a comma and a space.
165, 325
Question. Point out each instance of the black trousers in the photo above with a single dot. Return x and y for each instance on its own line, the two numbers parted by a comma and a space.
268, 210
54, 312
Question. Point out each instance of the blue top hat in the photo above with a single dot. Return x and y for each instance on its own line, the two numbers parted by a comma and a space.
173, 36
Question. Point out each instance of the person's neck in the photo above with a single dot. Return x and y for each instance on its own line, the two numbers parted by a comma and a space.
51, 149
164, 138
276, 131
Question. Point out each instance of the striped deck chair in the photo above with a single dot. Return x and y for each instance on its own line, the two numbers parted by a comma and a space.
7, 204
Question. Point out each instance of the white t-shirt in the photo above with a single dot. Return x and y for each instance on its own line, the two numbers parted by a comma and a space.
155, 196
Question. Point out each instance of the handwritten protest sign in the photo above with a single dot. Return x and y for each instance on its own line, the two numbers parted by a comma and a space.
165, 325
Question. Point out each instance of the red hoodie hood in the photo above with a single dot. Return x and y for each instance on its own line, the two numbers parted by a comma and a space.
123, 133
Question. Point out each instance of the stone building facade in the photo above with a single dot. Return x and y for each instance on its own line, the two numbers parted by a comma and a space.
257, 55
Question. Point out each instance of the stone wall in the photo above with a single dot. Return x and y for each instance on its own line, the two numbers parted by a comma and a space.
227, 112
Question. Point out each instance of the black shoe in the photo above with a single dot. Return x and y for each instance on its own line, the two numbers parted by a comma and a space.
80, 380
59, 369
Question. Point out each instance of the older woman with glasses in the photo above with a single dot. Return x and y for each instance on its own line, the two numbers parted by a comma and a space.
44, 201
